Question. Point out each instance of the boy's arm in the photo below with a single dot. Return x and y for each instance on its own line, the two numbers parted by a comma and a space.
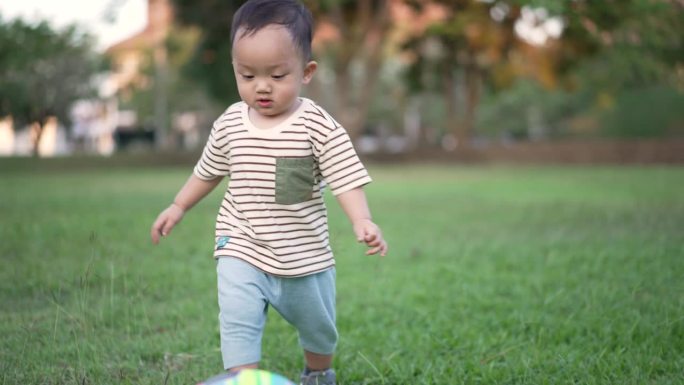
354, 204
192, 192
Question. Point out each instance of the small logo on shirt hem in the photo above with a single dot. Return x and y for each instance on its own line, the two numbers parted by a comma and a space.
221, 242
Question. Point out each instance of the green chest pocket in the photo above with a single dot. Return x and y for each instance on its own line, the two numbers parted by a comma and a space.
294, 180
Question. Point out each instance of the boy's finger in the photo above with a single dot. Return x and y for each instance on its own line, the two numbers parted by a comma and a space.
373, 251
168, 226
154, 231
155, 238
374, 243
370, 237
381, 248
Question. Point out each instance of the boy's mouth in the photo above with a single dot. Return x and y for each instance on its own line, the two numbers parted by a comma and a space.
264, 102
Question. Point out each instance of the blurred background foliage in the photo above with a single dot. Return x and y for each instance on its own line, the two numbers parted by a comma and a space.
409, 72
616, 68
43, 71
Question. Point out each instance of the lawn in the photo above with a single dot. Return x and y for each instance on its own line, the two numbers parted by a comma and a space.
496, 275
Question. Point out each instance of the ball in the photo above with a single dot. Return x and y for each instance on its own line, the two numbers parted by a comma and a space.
248, 377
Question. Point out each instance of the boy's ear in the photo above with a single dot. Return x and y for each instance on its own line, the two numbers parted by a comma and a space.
309, 70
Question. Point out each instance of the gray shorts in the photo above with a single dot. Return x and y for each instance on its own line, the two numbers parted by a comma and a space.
244, 295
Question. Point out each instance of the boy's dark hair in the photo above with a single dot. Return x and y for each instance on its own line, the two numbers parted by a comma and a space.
291, 14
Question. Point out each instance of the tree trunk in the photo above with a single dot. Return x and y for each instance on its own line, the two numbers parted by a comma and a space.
36, 133
472, 101
161, 102
454, 124
362, 42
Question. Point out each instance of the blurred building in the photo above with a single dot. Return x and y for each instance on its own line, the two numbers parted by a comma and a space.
130, 59
140, 64
128, 56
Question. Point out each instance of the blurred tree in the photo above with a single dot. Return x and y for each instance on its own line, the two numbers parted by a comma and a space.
645, 113
43, 71
475, 47
615, 52
182, 93
626, 43
605, 48
359, 31
211, 60
529, 110
465, 48
354, 49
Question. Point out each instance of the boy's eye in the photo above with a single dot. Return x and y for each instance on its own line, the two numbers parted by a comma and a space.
247, 77
278, 77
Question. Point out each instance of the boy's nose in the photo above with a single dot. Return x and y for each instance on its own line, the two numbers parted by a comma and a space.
263, 87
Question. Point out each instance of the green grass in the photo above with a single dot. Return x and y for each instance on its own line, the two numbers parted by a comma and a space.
496, 275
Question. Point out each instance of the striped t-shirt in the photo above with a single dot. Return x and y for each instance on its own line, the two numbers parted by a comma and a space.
273, 215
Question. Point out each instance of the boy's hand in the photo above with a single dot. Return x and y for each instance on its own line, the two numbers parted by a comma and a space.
166, 221
368, 232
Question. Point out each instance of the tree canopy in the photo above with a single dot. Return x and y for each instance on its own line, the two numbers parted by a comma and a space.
43, 70
211, 61
472, 51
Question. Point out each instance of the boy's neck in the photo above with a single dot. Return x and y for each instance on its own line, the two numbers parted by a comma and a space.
264, 122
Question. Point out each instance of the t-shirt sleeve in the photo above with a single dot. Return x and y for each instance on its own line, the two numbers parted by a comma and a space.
339, 164
214, 161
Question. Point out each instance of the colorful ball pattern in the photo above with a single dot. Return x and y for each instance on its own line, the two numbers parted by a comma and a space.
248, 377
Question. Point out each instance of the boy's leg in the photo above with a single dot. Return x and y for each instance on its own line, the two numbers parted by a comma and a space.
308, 303
240, 367
318, 370
318, 362
242, 313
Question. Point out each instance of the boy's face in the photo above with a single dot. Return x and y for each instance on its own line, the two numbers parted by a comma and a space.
270, 71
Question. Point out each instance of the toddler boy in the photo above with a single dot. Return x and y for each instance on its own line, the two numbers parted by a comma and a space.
279, 150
